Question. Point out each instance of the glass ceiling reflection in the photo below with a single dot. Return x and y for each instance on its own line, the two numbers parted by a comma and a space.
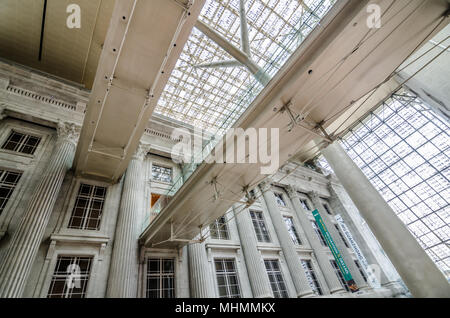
214, 98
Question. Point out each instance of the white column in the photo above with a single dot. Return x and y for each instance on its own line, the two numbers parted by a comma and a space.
200, 276
338, 207
293, 261
257, 275
26, 240
319, 250
417, 270
123, 274
348, 259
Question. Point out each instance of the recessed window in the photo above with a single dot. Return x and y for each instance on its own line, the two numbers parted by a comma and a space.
160, 173
363, 274
22, 143
160, 278
259, 224
305, 204
8, 182
276, 278
319, 233
70, 277
280, 199
227, 278
341, 235
87, 212
311, 276
291, 229
339, 275
327, 208
219, 229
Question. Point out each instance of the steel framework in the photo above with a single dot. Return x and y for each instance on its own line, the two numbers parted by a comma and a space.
403, 147
208, 87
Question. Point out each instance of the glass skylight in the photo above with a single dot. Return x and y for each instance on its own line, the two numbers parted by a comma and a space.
403, 149
214, 98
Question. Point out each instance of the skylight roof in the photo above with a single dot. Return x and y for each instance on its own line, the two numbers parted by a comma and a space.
213, 98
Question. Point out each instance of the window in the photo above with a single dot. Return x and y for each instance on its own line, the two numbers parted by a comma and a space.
341, 235
160, 173
402, 148
276, 278
311, 276
227, 278
87, 211
327, 208
305, 204
319, 233
339, 274
21, 143
363, 274
291, 229
160, 278
219, 229
8, 182
280, 199
262, 234
70, 277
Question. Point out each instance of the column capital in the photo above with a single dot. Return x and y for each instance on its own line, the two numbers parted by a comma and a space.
141, 151
266, 184
68, 132
314, 194
292, 191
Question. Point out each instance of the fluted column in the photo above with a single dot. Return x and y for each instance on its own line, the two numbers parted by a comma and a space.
293, 261
337, 205
200, 276
123, 275
256, 269
26, 240
348, 259
322, 258
415, 267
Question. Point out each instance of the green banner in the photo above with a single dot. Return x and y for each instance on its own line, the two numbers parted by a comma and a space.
334, 250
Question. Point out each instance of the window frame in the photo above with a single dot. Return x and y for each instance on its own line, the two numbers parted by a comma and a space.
311, 273
292, 230
339, 274
220, 228
279, 197
90, 276
227, 275
166, 167
265, 237
21, 144
12, 188
87, 210
283, 293
160, 276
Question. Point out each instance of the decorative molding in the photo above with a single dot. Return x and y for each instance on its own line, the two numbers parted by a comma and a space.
141, 151
96, 240
153, 132
46, 99
68, 132
291, 191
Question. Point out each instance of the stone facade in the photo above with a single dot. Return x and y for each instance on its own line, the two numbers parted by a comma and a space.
35, 221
